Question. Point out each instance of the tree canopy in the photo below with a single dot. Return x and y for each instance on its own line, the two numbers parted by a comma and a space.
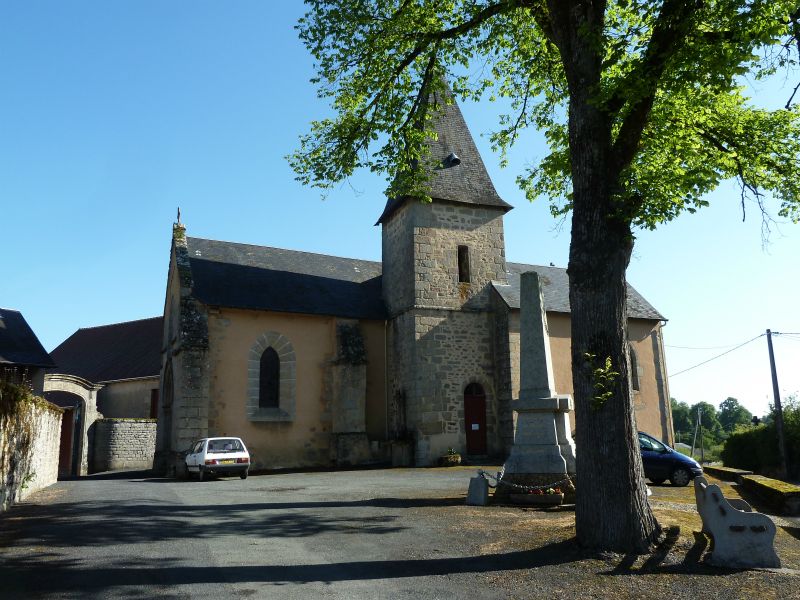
643, 107
677, 65
681, 418
732, 414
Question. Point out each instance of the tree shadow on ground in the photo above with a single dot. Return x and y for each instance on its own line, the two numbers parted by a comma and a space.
757, 502
792, 531
25, 574
112, 475
99, 523
664, 558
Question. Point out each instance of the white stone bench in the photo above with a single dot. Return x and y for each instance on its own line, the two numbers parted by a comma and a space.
741, 538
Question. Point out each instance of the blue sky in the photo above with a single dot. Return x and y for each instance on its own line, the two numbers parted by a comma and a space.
113, 114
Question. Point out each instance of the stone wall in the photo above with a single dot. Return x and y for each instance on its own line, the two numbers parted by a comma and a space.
183, 409
30, 433
439, 229
124, 444
506, 352
446, 352
420, 255
397, 239
442, 329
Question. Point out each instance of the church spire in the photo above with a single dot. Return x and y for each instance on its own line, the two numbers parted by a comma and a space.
458, 173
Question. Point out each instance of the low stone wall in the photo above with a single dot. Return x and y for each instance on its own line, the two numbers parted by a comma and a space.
726, 473
782, 495
124, 444
30, 433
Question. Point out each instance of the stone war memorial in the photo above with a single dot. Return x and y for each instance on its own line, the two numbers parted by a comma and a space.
543, 452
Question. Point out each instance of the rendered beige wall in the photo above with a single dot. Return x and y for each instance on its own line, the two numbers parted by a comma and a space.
643, 334
306, 440
126, 399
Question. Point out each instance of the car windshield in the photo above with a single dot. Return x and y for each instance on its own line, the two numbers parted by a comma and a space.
648, 443
222, 445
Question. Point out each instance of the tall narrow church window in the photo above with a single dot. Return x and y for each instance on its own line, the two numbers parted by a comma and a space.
269, 379
634, 368
463, 264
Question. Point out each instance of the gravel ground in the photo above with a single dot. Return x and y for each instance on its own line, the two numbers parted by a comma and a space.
396, 533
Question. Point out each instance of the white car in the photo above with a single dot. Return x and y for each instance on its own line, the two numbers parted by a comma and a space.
218, 456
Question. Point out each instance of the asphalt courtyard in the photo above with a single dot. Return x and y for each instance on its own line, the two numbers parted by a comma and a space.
395, 533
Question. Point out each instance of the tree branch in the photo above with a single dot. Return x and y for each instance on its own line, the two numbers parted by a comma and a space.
671, 29
479, 18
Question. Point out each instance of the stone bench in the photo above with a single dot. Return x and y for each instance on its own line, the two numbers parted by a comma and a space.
741, 538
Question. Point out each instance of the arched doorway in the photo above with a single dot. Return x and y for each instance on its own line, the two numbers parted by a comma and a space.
475, 418
82, 396
69, 448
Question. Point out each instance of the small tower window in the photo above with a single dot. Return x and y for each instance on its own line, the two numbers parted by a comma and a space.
634, 368
463, 264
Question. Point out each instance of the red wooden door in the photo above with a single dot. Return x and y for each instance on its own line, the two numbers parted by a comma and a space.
475, 418
65, 450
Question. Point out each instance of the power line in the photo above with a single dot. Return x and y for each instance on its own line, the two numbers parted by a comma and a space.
719, 355
699, 347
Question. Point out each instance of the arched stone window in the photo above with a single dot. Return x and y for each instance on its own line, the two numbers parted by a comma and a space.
269, 387
634, 364
271, 379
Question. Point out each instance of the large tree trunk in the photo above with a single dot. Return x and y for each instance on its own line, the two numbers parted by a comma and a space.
612, 512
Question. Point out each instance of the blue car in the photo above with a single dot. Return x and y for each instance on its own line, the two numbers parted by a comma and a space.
662, 462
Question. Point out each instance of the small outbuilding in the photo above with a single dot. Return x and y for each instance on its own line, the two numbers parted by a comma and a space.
108, 372
22, 356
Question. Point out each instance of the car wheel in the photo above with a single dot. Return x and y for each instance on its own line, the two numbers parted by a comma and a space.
656, 481
243, 475
200, 474
680, 477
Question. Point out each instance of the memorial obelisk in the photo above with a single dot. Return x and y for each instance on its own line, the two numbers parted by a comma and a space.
543, 452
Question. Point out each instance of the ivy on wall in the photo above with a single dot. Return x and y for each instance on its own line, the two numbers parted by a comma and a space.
351, 345
18, 412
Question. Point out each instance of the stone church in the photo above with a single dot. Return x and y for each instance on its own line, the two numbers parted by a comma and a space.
318, 360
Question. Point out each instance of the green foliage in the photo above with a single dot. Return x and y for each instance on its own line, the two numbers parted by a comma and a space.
379, 61
708, 416
603, 378
756, 448
16, 409
681, 420
751, 449
715, 431
732, 415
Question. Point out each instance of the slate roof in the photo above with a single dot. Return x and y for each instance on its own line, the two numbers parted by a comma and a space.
260, 277
263, 278
555, 289
18, 344
112, 352
465, 183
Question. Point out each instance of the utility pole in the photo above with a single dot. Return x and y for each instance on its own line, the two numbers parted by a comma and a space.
702, 446
778, 409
